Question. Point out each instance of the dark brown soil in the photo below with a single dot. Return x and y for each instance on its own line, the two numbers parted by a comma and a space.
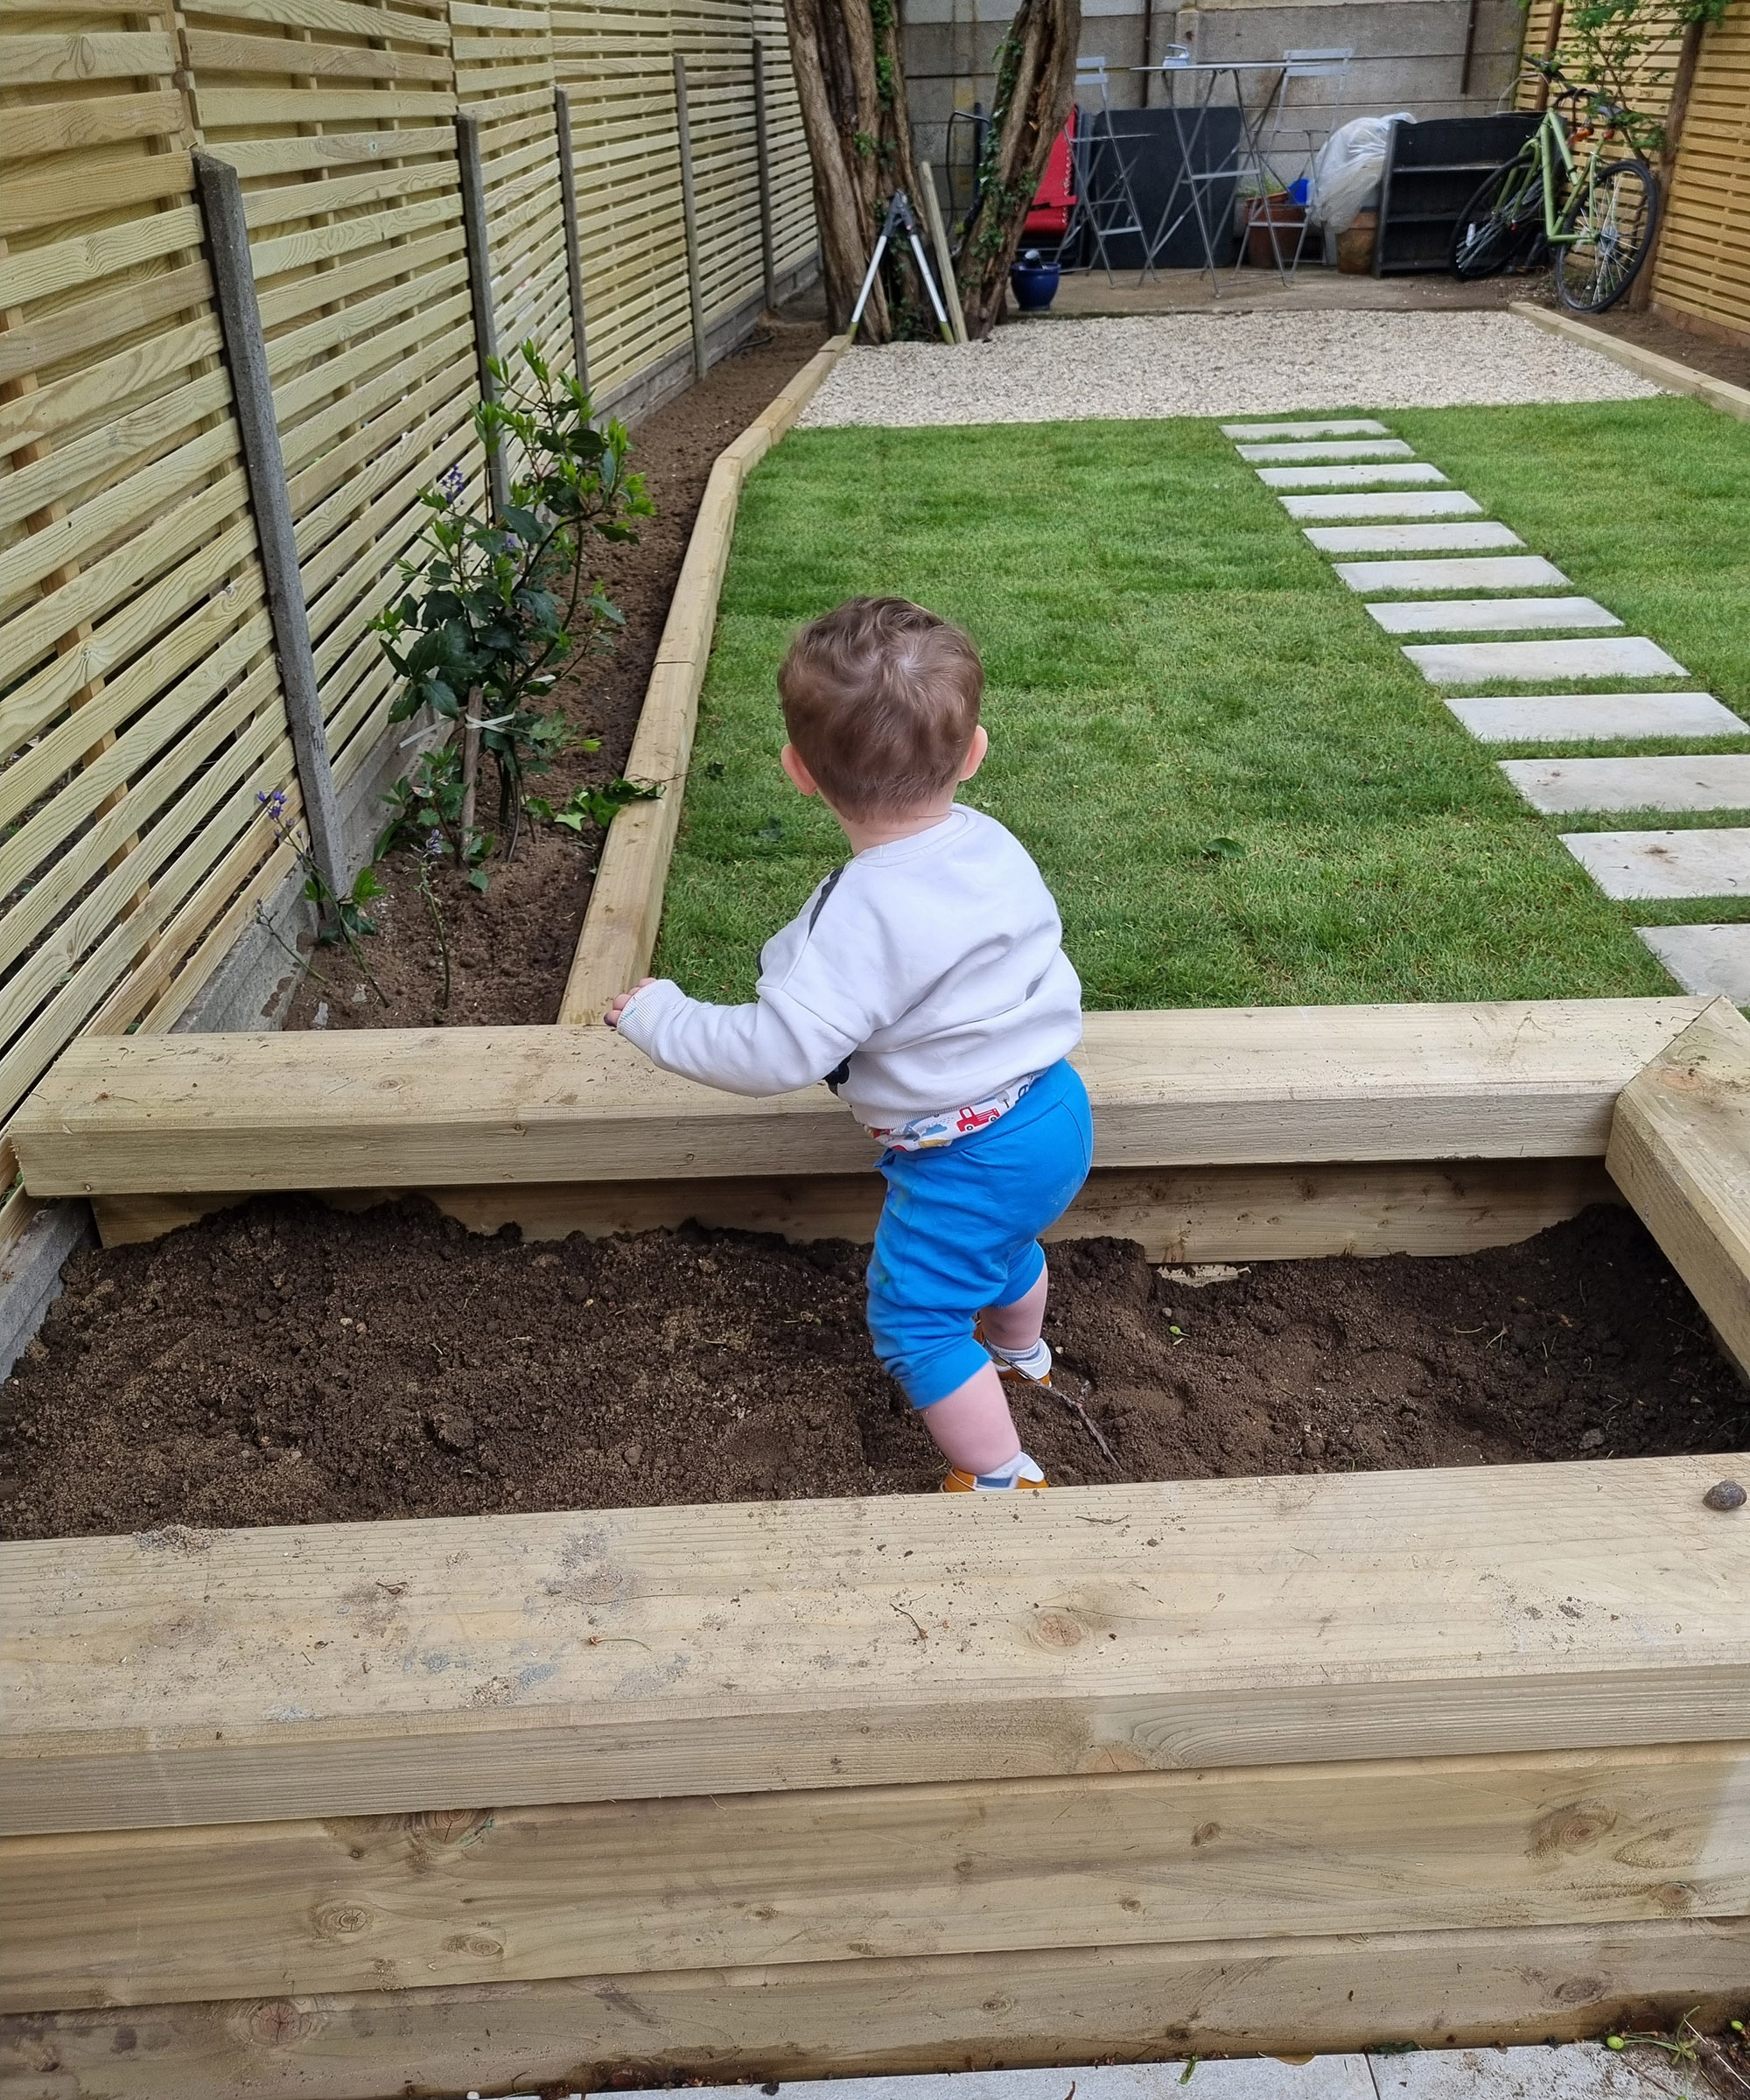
283, 1363
511, 950
1651, 332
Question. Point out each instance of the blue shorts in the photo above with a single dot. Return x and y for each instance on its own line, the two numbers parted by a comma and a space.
960, 1231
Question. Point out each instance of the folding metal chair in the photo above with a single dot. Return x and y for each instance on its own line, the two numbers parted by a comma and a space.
1282, 144
1105, 205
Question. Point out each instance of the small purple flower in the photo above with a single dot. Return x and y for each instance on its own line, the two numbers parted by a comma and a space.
452, 484
434, 846
274, 804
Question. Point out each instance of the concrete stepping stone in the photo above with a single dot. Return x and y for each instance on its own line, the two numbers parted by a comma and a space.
1315, 449
1664, 863
1584, 717
1478, 662
1409, 539
1388, 503
1489, 615
1712, 961
1386, 475
1709, 780
1483, 572
1341, 426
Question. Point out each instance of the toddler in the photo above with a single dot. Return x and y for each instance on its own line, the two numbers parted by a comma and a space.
926, 979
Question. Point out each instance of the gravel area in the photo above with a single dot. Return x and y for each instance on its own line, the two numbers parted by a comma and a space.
1217, 365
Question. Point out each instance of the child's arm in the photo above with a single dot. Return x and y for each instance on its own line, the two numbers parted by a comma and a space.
771, 1046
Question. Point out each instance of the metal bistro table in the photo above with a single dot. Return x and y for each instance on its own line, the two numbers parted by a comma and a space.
1247, 156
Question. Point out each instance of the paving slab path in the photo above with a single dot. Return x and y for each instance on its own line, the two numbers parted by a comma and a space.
1496, 663
1713, 962
1329, 449
1594, 717
1476, 573
1387, 503
1409, 539
1433, 532
1559, 786
1490, 615
1664, 865
1384, 476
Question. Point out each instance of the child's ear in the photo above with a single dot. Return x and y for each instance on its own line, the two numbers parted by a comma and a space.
975, 752
791, 760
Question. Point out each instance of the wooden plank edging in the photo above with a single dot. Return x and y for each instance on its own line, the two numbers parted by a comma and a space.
925, 2013
1665, 372
1680, 1152
447, 1108
623, 1655
618, 933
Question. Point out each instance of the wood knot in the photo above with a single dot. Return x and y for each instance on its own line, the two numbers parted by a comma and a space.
1206, 1833
479, 1943
277, 2023
1570, 1829
1057, 1629
342, 1920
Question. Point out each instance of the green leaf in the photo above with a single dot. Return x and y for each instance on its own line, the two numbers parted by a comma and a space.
478, 880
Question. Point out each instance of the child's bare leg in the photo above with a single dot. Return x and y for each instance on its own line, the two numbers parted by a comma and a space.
1017, 1327
972, 1425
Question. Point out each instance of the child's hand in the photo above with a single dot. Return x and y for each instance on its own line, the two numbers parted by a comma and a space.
611, 1016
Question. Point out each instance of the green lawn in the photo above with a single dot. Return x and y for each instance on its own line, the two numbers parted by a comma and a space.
1239, 790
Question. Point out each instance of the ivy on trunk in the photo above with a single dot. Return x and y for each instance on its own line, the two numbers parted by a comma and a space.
850, 80
1035, 84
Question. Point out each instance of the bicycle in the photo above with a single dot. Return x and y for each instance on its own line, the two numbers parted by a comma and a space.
1598, 217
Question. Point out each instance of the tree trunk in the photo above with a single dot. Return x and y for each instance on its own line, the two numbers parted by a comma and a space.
1035, 82
850, 80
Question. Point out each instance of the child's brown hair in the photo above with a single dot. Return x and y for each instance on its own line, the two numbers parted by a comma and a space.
881, 699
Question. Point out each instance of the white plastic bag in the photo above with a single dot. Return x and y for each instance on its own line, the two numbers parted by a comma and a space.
1346, 174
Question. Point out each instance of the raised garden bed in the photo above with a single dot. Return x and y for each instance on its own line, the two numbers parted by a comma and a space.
768, 1789
511, 949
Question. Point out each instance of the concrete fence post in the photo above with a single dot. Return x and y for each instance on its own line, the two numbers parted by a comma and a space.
239, 321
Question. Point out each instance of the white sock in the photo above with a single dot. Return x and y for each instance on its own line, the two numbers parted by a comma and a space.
1019, 1468
1032, 1362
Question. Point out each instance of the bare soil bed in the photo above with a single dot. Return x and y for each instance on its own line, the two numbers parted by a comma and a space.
283, 1363
511, 950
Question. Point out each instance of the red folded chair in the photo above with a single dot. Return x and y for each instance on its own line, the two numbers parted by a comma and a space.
1056, 199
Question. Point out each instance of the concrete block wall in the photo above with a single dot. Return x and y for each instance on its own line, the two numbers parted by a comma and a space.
1408, 54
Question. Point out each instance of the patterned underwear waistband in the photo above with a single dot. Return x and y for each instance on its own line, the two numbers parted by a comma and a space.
941, 1126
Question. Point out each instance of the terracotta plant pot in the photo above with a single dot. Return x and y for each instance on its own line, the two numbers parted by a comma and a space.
1355, 247
1273, 225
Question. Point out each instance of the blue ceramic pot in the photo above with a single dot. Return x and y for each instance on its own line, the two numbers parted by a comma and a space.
1035, 286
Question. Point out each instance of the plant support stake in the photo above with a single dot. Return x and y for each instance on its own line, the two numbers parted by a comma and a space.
480, 291
239, 321
574, 247
689, 213
762, 146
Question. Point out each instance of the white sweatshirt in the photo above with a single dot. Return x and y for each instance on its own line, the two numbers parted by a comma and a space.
935, 964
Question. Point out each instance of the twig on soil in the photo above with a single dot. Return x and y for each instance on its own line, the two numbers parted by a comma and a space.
1089, 1424
613, 1640
904, 1614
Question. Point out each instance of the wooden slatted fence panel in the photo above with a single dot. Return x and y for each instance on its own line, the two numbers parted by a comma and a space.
140, 713
616, 60
1703, 264
337, 116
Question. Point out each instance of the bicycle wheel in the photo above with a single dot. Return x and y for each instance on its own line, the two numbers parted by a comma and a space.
1611, 220
1493, 229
